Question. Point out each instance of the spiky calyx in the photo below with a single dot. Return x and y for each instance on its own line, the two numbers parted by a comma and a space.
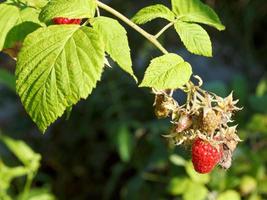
204, 115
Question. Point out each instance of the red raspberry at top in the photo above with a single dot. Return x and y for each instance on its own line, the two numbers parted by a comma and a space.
204, 156
63, 20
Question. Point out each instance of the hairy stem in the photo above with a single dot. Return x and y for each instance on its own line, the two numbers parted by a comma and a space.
148, 36
164, 29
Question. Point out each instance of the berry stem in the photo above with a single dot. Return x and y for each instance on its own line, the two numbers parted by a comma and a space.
147, 35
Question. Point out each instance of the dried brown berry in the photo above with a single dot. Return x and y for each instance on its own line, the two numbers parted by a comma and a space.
210, 121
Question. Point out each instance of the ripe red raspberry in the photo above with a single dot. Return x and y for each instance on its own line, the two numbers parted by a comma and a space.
204, 156
63, 20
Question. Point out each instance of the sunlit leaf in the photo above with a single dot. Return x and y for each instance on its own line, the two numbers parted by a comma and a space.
68, 8
152, 12
9, 15
169, 71
116, 42
58, 66
196, 11
194, 37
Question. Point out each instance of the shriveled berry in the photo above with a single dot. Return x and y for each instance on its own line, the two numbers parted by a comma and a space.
205, 156
210, 122
63, 20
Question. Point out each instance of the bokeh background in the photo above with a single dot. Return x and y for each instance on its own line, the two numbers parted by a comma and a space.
111, 147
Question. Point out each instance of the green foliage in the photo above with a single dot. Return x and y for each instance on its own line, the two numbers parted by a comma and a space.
7, 174
116, 42
47, 81
177, 160
195, 191
9, 15
258, 122
68, 8
58, 66
35, 3
23, 152
197, 12
230, 194
169, 71
194, 37
183, 15
27, 23
139, 147
124, 142
248, 185
31, 164
262, 87
7, 79
16, 24
152, 12
41, 194
178, 186
196, 177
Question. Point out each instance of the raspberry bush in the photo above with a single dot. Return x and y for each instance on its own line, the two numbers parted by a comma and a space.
62, 47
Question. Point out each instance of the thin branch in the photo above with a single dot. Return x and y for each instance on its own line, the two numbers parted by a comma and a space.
148, 36
164, 29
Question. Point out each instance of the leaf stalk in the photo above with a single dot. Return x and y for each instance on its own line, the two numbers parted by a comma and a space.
147, 35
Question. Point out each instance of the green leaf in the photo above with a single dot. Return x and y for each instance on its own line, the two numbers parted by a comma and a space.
8, 173
196, 11
196, 177
35, 3
39, 194
261, 87
7, 79
178, 185
57, 66
195, 191
169, 71
29, 14
177, 160
8, 18
152, 12
18, 33
248, 185
23, 152
27, 23
229, 194
16, 24
116, 42
124, 143
258, 123
68, 8
194, 37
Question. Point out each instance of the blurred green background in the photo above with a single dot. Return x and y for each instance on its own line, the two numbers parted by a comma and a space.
111, 147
